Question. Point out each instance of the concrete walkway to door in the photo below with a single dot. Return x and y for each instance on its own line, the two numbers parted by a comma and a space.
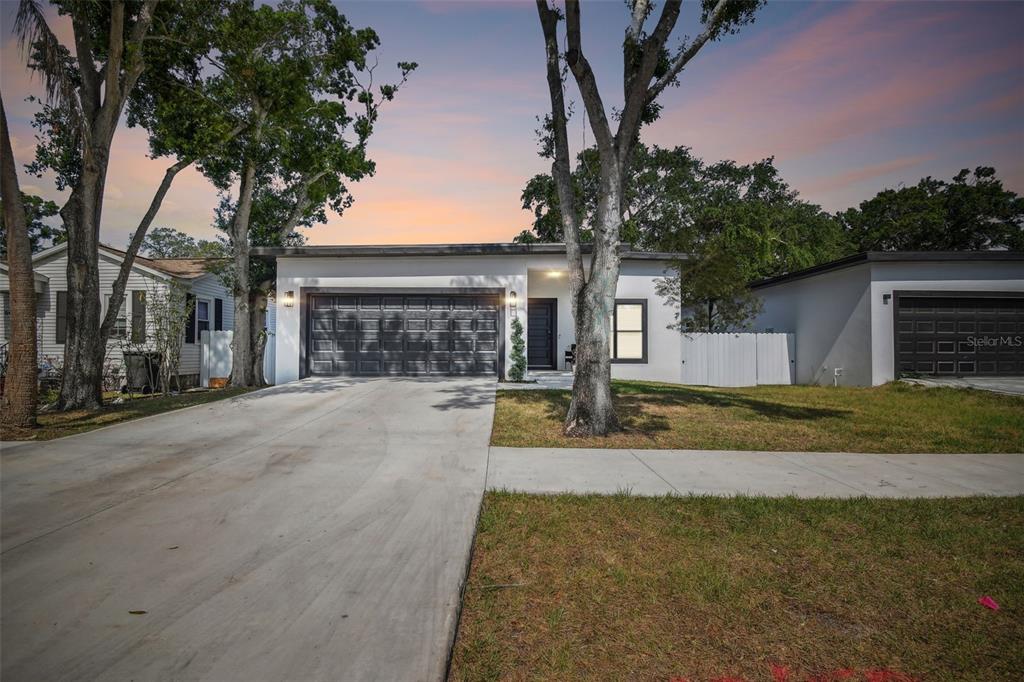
776, 474
318, 530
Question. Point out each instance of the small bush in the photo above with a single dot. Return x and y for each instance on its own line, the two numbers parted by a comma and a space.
518, 369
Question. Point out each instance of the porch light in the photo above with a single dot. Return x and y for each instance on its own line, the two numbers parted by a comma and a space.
512, 300
288, 299
555, 274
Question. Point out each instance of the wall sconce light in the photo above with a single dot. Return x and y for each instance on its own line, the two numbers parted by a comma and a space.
288, 299
512, 300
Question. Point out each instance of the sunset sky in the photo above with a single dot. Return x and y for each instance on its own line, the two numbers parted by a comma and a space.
849, 97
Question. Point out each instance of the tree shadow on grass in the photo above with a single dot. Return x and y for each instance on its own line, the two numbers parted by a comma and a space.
683, 396
632, 405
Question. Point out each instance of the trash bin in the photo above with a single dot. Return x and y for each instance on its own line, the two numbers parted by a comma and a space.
142, 372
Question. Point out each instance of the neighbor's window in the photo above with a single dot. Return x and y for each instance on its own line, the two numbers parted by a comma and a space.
629, 331
120, 330
202, 317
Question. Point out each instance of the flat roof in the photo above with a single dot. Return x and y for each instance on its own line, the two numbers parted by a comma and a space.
892, 257
496, 249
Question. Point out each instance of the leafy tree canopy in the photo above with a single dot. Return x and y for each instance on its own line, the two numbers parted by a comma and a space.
166, 242
41, 234
971, 212
740, 221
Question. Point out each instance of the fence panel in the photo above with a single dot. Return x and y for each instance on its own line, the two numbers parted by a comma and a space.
738, 359
776, 358
216, 357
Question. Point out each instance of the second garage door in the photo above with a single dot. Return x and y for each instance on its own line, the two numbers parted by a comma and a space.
960, 334
404, 335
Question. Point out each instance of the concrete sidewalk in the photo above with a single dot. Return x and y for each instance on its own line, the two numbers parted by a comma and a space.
776, 474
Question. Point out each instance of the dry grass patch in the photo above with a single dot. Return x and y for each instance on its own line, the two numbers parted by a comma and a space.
892, 418
58, 424
623, 588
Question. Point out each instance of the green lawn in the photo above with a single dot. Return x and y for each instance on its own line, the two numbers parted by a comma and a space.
625, 588
58, 424
891, 418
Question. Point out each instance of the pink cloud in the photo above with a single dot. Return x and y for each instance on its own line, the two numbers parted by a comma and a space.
823, 86
857, 175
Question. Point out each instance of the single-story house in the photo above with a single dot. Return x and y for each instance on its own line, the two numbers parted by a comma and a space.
447, 309
213, 310
873, 317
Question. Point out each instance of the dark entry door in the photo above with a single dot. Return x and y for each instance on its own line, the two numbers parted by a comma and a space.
960, 334
428, 334
540, 335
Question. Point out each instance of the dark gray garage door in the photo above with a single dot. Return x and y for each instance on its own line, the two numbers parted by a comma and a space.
960, 334
377, 335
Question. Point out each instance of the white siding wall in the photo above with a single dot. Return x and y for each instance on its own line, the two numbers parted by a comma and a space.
208, 286
522, 274
56, 269
889, 277
831, 317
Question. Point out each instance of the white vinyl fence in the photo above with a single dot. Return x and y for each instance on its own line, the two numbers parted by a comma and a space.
216, 357
740, 359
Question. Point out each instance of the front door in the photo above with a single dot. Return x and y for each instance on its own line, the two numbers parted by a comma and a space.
540, 335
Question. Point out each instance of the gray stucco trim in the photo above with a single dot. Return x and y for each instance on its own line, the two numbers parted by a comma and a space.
445, 250
892, 257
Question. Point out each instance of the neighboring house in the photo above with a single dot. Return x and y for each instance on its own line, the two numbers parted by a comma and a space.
871, 317
214, 309
446, 309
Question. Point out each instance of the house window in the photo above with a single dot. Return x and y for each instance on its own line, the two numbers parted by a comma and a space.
202, 318
120, 330
629, 330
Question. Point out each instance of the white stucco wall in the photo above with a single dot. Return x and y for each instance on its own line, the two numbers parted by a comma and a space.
954, 277
526, 275
831, 317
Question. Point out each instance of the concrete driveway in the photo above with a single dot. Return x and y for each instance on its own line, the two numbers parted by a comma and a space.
316, 530
1007, 385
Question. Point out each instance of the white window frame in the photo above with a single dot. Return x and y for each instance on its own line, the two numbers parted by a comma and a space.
644, 330
126, 305
209, 317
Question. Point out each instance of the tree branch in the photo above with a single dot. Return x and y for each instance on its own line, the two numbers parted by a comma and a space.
689, 52
90, 90
560, 170
115, 53
117, 294
585, 79
301, 203
638, 74
138, 35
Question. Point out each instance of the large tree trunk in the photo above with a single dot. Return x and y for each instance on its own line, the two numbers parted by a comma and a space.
591, 410
241, 340
84, 347
20, 393
257, 328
